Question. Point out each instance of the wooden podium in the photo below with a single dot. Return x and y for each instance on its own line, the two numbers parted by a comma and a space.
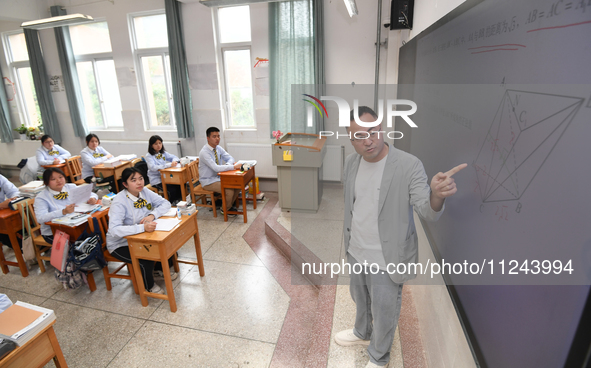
299, 173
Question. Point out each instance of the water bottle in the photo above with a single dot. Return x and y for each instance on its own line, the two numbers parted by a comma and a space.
178, 213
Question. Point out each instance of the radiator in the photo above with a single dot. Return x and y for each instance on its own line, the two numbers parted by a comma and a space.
139, 148
261, 152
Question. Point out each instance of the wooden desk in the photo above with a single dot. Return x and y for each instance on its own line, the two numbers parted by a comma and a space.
238, 180
36, 352
160, 246
10, 224
75, 233
111, 171
175, 175
63, 167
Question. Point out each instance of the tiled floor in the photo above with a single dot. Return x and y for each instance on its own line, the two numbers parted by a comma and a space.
232, 317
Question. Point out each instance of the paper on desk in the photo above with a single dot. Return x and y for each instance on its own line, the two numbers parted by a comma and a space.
170, 213
80, 194
126, 157
166, 224
250, 162
85, 207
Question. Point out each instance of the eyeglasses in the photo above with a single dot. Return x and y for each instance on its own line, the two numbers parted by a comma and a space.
371, 134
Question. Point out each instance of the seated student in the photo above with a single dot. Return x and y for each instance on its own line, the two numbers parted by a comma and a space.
93, 155
50, 153
53, 201
134, 211
157, 158
212, 160
8, 192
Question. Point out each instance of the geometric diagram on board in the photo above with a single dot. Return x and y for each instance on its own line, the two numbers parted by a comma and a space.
523, 133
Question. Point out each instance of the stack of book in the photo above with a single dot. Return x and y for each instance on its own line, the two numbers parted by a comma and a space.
31, 189
22, 321
73, 219
112, 162
126, 157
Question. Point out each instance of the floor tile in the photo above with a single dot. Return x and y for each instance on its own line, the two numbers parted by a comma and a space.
232, 299
89, 337
161, 345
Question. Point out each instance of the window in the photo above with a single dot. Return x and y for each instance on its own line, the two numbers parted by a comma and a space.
234, 49
96, 72
150, 44
18, 63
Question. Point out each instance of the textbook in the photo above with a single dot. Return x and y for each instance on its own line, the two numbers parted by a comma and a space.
22, 321
112, 162
72, 219
32, 188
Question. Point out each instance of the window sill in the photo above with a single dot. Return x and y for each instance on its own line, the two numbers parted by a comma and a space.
252, 129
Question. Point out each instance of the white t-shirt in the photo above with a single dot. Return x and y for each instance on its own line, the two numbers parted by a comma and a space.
365, 244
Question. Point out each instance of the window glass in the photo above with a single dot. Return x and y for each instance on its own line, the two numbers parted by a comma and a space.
155, 84
150, 31
90, 38
234, 24
239, 87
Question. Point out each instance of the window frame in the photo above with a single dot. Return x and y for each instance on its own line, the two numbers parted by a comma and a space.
13, 67
223, 75
138, 54
93, 58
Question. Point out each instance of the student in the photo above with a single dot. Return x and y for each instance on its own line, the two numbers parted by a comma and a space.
92, 155
133, 211
50, 153
8, 192
157, 158
54, 201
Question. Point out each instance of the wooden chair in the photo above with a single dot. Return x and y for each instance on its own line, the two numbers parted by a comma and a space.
103, 225
74, 164
197, 191
39, 243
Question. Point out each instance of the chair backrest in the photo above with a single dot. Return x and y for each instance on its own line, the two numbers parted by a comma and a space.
75, 166
103, 227
135, 161
193, 168
32, 218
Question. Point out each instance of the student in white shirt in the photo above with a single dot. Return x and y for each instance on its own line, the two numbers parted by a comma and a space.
133, 211
8, 192
50, 153
92, 155
54, 201
157, 158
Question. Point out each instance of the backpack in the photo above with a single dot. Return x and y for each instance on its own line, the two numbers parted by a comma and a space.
143, 167
71, 278
85, 255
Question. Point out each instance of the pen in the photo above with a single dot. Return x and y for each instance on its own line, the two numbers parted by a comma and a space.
96, 209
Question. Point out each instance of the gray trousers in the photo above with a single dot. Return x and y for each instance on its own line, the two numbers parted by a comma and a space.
378, 301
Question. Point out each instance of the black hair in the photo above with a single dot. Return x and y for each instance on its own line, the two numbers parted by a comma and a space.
154, 139
128, 173
362, 110
211, 130
47, 174
45, 137
90, 136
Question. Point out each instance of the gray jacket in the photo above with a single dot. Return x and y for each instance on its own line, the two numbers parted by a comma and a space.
404, 186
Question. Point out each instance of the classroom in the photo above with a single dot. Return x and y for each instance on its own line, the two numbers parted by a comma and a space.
226, 136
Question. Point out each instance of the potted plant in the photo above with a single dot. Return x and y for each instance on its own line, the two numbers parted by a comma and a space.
22, 130
32, 133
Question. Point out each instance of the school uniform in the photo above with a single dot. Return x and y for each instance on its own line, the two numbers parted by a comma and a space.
7, 190
162, 161
49, 205
125, 215
92, 158
46, 157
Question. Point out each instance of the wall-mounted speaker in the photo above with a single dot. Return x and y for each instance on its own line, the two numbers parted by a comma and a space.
401, 14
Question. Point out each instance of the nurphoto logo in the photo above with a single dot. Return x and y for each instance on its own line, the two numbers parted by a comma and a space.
344, 114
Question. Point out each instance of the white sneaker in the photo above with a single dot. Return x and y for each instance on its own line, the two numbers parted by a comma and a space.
156, 289
373, 365
160, 275
348, 338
